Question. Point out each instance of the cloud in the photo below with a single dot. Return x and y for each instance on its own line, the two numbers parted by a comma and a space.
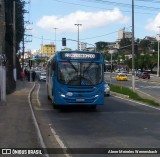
89, 20
153, 24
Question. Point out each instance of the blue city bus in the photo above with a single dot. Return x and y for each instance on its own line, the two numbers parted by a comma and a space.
75, 78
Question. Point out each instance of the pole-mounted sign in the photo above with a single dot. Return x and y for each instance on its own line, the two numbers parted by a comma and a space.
30, 63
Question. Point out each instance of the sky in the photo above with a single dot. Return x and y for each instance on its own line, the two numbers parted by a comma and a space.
52, 20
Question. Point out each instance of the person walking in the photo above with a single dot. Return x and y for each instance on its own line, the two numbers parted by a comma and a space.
33, 76
22, 75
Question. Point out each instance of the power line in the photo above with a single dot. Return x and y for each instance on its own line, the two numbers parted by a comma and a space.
111, 3
123, 4
154, 1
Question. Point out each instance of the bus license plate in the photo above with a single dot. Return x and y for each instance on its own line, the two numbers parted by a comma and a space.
80, 100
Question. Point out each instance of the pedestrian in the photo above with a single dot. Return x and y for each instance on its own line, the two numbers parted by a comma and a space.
22, 75
28, 75
33, 76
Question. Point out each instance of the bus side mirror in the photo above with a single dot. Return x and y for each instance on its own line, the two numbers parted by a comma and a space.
105, 68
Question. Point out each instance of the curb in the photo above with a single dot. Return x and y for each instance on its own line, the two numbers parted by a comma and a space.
120, 95
35, 121
140, 93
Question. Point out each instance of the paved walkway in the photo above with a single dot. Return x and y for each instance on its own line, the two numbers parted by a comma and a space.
17, 129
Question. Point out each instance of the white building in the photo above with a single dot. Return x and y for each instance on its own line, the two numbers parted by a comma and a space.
82, 46
122, 34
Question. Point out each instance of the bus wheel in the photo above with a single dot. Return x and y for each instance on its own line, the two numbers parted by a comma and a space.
93, 107
55, 106
49, 97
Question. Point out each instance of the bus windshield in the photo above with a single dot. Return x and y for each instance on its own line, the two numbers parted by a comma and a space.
78, 73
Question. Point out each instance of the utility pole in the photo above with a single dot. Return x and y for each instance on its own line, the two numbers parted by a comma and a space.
42, 47
158, 52
78, 34
24, 40
133, 67
14, 42
55, 39
23, 50
2, 54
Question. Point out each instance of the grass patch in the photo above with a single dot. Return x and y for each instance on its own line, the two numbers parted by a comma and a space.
132, 95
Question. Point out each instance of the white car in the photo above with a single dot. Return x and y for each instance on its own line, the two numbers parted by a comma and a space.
42, 76
122, 73
106, 89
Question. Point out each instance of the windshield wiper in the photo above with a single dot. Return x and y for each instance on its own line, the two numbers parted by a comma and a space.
73, 66
87, 67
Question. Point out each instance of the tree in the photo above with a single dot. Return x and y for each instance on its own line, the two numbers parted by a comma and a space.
11, 84
101, 45
144, 44
125, 42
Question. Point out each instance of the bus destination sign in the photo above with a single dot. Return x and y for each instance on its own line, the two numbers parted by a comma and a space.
87, 56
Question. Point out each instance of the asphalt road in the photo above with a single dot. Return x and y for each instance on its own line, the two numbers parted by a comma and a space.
144, 85
118, 124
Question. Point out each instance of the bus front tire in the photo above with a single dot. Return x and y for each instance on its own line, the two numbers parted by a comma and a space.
49, 97
93, 107
55, 106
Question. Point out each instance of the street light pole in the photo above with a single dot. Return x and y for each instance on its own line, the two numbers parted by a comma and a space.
14, 41
111, 69
133, 68
78, 34
55, 39
2, 54
158, 55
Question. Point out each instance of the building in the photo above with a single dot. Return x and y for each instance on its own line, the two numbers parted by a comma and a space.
83, 46
122, 34
48, 49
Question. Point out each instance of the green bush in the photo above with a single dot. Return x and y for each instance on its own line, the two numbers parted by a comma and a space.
132, 95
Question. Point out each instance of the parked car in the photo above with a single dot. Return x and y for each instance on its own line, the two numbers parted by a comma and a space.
106, 89
137, 72
42, 76
121, 77
144, 75
122, 72
117, 70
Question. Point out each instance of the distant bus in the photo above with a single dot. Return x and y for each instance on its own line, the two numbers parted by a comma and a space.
75, 78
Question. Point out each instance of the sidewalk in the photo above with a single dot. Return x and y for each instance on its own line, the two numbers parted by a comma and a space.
17, 129
154, 78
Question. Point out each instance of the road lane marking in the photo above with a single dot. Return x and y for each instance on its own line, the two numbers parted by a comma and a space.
35, 121
150, 87
136, 102
60, 142
38, 95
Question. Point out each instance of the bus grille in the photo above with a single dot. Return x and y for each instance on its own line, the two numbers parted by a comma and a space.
81, 89
86, 101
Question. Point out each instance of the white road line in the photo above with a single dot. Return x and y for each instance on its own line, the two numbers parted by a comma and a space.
150, 87
38, 95
140, 103
60, 142
35, 121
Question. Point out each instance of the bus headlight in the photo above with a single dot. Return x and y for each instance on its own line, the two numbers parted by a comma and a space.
62, 95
